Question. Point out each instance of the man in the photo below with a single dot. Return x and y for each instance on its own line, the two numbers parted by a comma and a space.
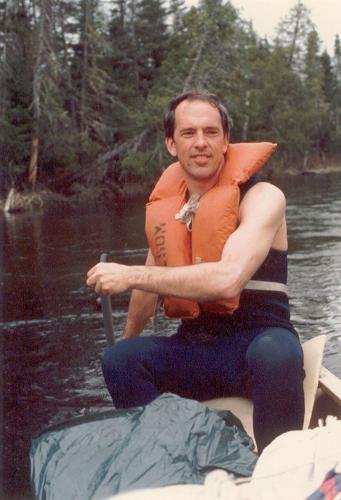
235, 337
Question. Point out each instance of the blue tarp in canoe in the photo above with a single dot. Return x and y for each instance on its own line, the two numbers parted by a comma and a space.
169, 441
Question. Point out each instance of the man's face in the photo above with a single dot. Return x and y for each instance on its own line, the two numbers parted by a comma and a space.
199, 141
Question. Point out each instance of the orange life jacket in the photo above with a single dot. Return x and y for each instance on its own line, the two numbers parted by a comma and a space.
216, 218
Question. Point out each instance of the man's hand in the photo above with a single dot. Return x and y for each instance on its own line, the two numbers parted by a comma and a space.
109, 278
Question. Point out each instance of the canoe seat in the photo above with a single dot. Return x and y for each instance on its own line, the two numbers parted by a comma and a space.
243, 408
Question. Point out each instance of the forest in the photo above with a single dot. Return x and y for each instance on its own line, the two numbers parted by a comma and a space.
83, 86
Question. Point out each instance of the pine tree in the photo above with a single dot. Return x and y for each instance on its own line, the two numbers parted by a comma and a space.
94, 97
176, 10
277, 112
292, 33
151, 38
337, 97
316, 107
16, 91
44, 83
337, 58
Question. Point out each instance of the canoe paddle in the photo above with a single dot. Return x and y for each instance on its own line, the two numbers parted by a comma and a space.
107, 312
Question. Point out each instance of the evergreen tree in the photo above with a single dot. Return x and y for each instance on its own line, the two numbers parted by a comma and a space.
176, 10
329, 82
152, 39
140, 39
45, 98
316, 107
329, 87
292, 33
16, 91
277, 106
94, 97
337, 58
337, 96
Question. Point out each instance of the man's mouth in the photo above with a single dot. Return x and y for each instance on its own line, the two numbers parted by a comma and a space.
201, 158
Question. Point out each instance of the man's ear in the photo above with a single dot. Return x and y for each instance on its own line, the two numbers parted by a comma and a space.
226, 142
170, 146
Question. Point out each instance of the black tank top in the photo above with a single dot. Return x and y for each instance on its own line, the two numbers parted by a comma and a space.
257, 309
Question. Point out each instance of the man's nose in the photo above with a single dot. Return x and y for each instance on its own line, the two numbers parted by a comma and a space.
200, 140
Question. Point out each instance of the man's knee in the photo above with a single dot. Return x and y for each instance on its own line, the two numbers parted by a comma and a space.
117, 357
128, 372
276, 353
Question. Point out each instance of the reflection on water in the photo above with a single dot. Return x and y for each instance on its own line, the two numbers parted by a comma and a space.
53, 335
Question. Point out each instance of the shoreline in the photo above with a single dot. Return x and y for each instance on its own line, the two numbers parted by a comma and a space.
273, 172
43, 198
315, 170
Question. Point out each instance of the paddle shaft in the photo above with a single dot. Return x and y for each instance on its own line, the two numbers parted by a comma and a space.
107, 312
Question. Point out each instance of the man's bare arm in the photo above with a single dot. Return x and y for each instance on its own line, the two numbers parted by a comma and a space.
141, 307
261, 215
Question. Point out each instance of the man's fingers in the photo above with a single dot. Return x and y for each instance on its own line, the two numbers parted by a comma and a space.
108, 278
95, 273
92, 270
91, 281
98, 279
96, 282
93, 276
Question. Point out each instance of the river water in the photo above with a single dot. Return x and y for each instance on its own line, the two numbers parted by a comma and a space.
53, 336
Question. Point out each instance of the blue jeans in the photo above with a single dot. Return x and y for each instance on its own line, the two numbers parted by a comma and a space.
263, 364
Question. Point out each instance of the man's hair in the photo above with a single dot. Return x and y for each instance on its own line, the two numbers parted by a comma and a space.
195, 95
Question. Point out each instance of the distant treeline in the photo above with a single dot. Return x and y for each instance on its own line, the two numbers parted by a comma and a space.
83, 85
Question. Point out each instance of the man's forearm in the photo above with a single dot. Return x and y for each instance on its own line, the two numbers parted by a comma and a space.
202, 282
141, 308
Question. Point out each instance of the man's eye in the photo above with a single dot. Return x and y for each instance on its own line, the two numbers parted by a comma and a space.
187, 133
211, 132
